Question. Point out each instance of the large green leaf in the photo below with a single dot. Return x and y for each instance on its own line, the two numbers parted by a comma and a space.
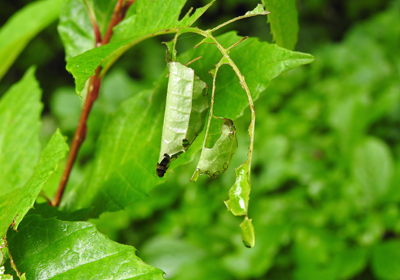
20, 111
386, 259
258, 61
142, 21
16, 204
16, 33
283, 20
54, 249
125, 165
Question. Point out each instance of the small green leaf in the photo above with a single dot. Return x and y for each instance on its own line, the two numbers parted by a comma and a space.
20, 110
248, 235
283, 20
259, 10
386, 259
4, 276
54, 249
239, 194
215, 158
373, 168
185, 110
16, 33
14, 205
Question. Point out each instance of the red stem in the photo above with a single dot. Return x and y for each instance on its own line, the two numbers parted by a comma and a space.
93, 92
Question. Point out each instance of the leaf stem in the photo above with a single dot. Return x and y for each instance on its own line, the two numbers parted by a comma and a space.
93, 92
93, 19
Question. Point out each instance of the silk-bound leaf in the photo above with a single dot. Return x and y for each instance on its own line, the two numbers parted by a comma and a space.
239, 194
16, 33
248, 235
185, 110
20, 110
283, 20
214, 160
141, 22
14, 205
54, 249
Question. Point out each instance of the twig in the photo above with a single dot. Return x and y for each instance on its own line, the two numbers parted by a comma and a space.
93, 92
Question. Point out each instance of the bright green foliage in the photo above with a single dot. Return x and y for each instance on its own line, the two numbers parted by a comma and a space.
142, 21
258, 61
120, 171
124, 167
283, 20
75, 28
3, 276
185, 110
239, 194
16, 204
20, 111
127, 151
16, 33
215, 157
385, 260
83, 252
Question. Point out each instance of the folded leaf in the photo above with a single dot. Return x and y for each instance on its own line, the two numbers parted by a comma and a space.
239, 194
185, 110
248, 235
215, 160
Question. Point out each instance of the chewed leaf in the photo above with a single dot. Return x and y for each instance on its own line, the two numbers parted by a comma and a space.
185, 113
238, 202
215, 160
248, 235
259, 10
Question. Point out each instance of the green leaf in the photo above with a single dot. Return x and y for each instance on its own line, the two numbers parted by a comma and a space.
4, 276
54, 249
239, 194
185, 110
373, 168
17, 203
386, 259
20, 110
259, 62
75, 28
127, 150
283, 20
215, 158
141, 22
259, 10
16, 33
248, 235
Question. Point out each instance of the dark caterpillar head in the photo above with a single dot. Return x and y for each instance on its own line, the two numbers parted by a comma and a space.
162, 167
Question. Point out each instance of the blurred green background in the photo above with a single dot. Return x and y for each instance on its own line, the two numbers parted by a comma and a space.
325, 200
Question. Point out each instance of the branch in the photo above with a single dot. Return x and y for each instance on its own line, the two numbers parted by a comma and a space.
93, 92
